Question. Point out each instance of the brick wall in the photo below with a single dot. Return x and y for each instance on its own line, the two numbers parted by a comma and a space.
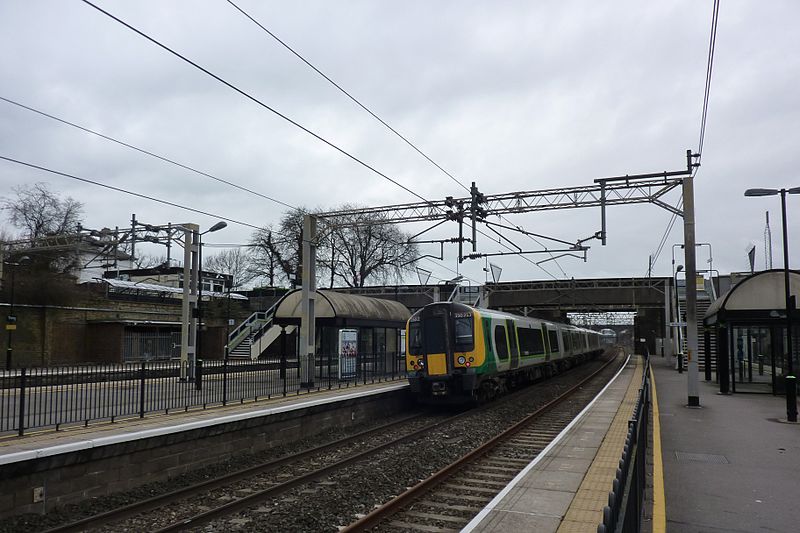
97, 472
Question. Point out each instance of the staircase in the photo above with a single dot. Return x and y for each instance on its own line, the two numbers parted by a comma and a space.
705, 297
242, 339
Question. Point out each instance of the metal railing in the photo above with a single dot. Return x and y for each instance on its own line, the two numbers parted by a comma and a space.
63, 396
623, 514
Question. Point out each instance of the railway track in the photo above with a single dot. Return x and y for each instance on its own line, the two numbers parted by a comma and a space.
449, 499
116, 515
210, 503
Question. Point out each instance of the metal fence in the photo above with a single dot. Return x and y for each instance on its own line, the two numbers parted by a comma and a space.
55, 397
623, 514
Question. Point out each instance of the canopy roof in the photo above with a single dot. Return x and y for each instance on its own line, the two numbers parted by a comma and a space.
755, 296
330, 304
161, 289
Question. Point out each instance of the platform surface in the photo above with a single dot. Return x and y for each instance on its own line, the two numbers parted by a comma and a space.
730, 466
565, 488
50, 442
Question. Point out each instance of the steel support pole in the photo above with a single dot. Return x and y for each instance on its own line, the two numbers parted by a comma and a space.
186, 304
691, 290
9, 326
307, 312
193, 300
790, 381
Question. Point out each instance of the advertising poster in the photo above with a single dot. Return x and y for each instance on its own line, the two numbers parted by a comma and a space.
348, 351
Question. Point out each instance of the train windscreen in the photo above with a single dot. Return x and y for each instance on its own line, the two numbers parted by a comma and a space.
435, 336
414, 338
464, 333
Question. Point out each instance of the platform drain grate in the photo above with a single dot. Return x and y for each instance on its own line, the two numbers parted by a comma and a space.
687, 457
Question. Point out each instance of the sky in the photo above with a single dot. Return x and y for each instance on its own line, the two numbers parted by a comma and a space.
513, 95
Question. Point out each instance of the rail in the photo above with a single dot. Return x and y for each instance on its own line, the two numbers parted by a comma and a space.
623, 514
62, 396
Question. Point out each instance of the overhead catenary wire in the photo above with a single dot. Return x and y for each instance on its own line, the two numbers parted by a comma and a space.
376, 117
125, 191
143, 151
709, 68
703, 120
256, 101
346, 93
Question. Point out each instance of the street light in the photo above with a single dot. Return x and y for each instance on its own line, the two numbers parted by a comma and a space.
216, 227
791, 388
11, 319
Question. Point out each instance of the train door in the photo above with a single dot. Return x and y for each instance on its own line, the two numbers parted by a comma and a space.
513, 345
546, 340
435, 335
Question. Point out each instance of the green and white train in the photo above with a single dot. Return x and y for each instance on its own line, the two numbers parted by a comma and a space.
457, 353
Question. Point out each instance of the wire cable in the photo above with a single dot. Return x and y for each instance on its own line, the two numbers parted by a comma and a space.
257, 101
146, 152
709, 68
132, 193
350, 96
365, 108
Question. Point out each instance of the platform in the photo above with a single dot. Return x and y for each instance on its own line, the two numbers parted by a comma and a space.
48, 442
565, 488
729, 466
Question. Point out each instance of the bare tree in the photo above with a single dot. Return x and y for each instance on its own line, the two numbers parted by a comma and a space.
149, 261
234, 262
364, 248
357, 250
38, 211
277, 251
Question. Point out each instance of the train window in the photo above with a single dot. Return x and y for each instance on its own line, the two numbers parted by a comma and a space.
464, 334
501, 342
530, 341
414, 339
567, 341
434, 336
553, 337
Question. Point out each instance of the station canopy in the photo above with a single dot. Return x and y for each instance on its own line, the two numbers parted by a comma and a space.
759, 297
350, 307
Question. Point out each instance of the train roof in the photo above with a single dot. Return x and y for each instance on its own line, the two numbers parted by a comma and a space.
485, 311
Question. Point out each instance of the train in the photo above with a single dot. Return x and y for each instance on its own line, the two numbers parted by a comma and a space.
608, 336
456, 353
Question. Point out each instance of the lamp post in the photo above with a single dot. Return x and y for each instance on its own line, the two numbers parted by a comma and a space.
216, 227
789, 377
11, 319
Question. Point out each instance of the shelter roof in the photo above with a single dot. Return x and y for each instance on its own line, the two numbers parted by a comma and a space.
763, 291
331, 304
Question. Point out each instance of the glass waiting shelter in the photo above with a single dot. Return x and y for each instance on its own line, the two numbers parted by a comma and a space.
745, 330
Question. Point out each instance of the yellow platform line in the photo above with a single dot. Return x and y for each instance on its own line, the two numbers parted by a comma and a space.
659, 501
585, 512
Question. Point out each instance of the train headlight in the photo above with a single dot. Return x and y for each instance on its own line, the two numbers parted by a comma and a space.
461, 359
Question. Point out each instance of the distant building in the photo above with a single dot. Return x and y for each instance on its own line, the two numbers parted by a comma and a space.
172, 276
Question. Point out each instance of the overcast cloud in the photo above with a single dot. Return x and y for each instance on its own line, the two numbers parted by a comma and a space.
515, 95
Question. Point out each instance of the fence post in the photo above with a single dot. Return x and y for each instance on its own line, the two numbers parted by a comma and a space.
224, 382
142, 374
284, 345
198, 374
21, 401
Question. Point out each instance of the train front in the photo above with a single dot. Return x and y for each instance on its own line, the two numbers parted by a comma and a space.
444, 352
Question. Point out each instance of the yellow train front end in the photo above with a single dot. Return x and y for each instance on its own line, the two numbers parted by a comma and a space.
445, 352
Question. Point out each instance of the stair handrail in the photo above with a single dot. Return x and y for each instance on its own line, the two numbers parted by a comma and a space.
245, 329
257, 315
